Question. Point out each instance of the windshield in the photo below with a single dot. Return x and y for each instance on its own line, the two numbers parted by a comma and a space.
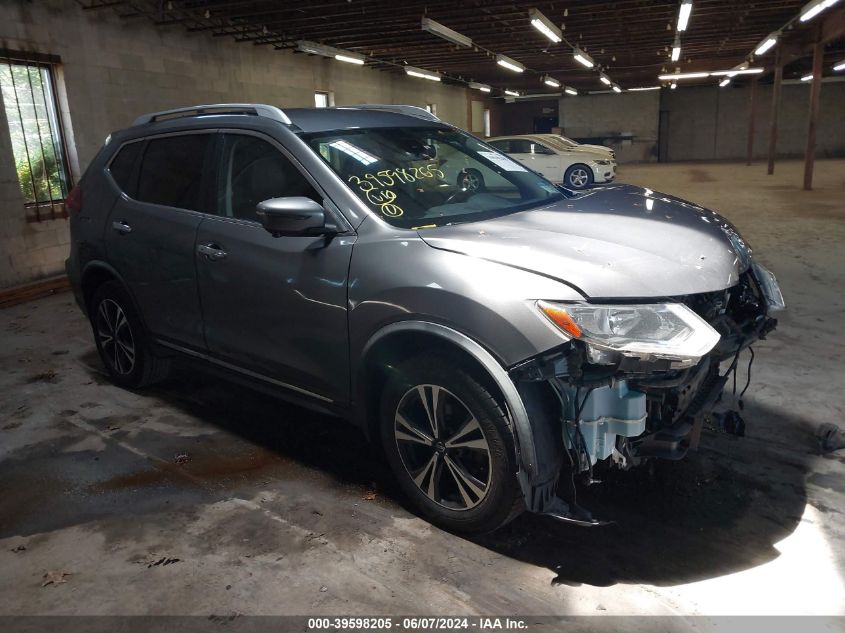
562, 142
426, 177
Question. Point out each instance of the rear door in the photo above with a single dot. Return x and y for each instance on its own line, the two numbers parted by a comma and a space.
275, 306
151, 233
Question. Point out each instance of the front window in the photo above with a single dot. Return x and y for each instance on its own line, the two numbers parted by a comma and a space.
426, 177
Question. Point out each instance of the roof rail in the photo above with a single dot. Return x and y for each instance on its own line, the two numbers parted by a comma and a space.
257, 109
409, 110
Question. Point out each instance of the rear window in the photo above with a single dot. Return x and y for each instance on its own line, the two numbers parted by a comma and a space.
123, 165
171, 172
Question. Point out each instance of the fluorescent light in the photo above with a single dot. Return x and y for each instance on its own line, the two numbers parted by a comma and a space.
510, 64
355, 152
512, 93
840, 66
570, 91
435, 28
724, 82
643, 89
313, 48
422, 74
766, 44
807, 77
733, 72
814, 7
582, 58
349, 58
551, 81
605, 79
683, 15
676, 48
616, 89
682, 76
545, 25
481, 87
673, 86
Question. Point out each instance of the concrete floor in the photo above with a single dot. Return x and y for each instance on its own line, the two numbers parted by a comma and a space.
279, 511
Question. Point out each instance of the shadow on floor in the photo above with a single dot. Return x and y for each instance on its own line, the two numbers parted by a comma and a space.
719, 511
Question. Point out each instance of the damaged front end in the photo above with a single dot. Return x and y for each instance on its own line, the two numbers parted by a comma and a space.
635, 382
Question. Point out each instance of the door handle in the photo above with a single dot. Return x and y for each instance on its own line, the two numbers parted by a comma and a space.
121, 226
211, 251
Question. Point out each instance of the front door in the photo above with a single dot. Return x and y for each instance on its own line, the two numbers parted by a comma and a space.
275, 306
151, 231
538, 157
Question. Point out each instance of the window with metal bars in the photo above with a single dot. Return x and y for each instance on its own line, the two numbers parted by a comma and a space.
35, 127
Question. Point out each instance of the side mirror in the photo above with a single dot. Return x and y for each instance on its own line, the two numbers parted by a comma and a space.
293, 216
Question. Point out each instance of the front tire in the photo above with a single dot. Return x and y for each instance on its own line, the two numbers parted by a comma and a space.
471, 180
121, 340
449, 446
578, 177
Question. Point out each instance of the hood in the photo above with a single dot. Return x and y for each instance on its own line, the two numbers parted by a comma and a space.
595, 149
613, 242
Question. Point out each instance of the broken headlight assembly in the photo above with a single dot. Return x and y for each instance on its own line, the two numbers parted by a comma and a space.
647, 331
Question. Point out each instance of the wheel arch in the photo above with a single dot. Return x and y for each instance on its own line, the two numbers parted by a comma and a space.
96, 273
403, 339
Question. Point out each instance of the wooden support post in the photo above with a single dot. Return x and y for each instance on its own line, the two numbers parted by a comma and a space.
751, 106
815, 93
773, 130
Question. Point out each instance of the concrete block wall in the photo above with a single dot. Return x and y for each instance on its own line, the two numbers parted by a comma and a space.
711, 123
114, 70
611, 114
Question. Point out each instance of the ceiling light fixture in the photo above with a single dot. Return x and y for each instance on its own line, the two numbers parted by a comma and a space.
545, 25
724, 82
551, 81
814, 7
350, 58
676, 48
683, 15
807, 77
512, 93
616, 89
673, 85
570, 91
435, 28
422, 74
766, 44
605, 79
736, 71
582, 58
313, 48
510, 64
643, 89
481, 87
839, 66
677, 76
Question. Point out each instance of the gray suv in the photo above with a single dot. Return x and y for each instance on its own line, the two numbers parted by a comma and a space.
498, 342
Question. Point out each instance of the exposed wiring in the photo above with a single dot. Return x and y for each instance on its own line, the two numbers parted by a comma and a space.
748, 378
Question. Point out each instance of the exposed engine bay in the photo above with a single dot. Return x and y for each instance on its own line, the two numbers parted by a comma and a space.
606, 409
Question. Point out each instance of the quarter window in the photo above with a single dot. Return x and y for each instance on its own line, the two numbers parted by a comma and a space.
171, 172
123, 165
252, 170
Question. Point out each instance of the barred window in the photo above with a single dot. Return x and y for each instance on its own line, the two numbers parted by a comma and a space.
29, 99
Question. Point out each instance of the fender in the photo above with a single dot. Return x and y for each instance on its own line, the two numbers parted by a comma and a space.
524, 436
100, 264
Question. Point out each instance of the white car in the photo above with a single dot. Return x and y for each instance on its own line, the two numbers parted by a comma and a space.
574, 167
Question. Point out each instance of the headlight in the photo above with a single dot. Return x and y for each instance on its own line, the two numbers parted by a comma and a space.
602, 162
660, 330
770, 287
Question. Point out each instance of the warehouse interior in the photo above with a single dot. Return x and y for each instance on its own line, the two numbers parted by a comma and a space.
197, 497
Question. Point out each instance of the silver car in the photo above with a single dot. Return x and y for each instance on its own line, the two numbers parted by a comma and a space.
494, 340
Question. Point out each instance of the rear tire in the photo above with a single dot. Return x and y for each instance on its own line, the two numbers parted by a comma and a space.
449, 446
578, 177
121, 341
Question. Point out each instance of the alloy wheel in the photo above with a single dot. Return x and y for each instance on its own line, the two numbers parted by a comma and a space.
115, 336
443, 447
470, 181
579, 177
